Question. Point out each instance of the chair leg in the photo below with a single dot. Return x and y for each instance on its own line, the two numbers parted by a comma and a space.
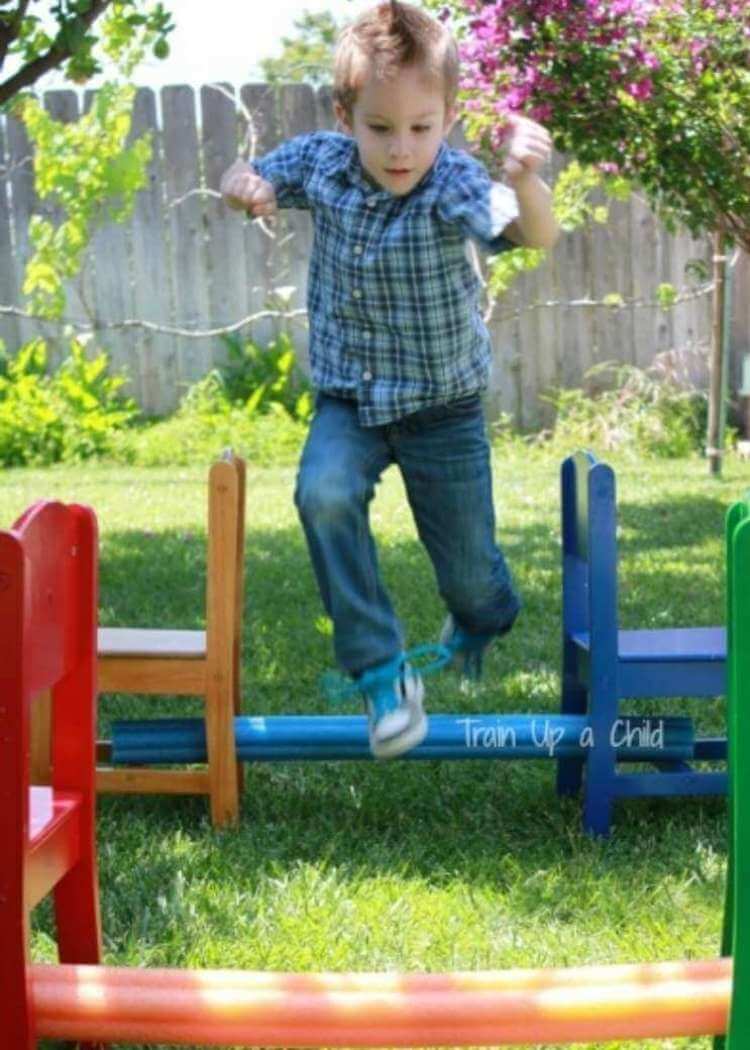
222, 752
598, 794
77, 916
18, 1019
570, 770
597, 813
574, 701
224, 595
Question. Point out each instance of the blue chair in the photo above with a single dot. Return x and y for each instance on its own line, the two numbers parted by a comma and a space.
602, 665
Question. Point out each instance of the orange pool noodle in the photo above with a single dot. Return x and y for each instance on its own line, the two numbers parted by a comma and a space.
227, 1007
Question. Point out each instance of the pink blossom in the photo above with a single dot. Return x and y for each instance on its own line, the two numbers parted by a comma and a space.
516, 98
542, 113
641, 89
484, 32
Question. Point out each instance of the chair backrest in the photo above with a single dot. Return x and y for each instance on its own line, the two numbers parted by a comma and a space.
589, 551
48, 613
226, 560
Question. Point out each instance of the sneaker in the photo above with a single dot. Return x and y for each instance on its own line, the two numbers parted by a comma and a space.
467, 649
394, 692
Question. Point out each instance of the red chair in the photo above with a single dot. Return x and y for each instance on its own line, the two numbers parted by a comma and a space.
48, 596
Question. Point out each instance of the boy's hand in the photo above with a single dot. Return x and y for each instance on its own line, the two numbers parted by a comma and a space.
528, 148
242, 188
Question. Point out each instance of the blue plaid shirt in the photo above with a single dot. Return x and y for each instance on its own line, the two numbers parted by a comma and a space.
393, 299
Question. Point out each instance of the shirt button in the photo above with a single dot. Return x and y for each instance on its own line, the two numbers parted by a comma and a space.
367, 333
357, 293
357, 249
371, 202
367, 376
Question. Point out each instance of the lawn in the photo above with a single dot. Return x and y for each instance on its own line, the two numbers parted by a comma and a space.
402, 866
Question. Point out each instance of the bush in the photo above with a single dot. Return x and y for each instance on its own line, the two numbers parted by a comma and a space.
68, 416
645, 412
258, 403
263, 378
191, 437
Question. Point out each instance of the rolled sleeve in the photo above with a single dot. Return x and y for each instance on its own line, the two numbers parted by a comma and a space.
480, 207
287, 168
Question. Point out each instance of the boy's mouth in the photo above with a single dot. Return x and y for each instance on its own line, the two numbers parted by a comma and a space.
398, 171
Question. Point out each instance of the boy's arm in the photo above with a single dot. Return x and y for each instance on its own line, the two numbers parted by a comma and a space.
480, 208
275, 181
242, 189
529, 147
499, 216
536, 226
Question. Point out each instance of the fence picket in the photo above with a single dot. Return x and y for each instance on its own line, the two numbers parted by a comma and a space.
186, 224
224, 233
109, 279
153, 296
261, 248
298, 115
612, 264
25, 203
10, 334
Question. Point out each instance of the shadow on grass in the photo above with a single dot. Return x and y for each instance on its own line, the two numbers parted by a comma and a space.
680, 522
492, 828
158, 580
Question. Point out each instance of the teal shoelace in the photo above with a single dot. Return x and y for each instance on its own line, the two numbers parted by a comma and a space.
425, 659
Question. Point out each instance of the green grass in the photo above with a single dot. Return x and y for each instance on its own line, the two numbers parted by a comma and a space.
403, 866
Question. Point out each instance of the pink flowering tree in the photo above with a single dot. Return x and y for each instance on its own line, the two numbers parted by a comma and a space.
656, 90
653, 92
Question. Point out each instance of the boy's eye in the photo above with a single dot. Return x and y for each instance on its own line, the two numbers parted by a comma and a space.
417, 127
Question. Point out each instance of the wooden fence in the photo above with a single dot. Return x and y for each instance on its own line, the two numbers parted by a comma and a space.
187, 263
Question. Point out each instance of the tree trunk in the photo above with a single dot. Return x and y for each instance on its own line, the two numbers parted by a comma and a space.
714, 437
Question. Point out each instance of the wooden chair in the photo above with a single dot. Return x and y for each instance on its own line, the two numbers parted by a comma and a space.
191, 663
48, 607
603, 665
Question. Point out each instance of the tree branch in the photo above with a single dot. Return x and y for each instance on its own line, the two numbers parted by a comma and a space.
57, 54
9, 31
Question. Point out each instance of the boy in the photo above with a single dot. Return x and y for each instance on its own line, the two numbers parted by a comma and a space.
398, 349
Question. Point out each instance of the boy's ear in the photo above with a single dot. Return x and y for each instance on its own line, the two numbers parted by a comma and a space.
342, 121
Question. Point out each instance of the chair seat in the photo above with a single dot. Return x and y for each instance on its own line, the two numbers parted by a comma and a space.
48, 809
677, 644
54, 839
154, 644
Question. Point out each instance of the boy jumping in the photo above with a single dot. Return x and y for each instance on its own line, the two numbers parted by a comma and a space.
399, 352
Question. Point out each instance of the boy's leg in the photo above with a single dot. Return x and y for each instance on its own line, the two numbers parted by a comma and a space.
444, 456
340, 465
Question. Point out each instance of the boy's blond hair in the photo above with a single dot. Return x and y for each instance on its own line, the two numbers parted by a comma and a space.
387, 38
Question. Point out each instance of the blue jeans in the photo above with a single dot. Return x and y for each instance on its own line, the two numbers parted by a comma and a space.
444, 457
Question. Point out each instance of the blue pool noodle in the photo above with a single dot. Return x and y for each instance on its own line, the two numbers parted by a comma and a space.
275, 738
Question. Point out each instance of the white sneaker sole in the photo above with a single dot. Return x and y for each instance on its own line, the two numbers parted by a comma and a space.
398, 745
413, 732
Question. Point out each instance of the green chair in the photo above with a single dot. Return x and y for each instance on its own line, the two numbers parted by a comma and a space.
736, 937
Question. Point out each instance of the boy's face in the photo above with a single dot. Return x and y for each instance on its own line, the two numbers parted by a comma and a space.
399, 125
